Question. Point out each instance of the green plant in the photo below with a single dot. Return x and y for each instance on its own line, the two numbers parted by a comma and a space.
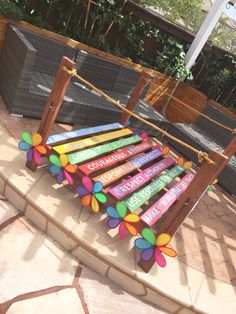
224, 36
187, 12
37, 21
171, 60
135, 31
10, 10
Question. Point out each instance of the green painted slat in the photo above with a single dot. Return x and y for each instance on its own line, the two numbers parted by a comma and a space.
139, 198
89, 153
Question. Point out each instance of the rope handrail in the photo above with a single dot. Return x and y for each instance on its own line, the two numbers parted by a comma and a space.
201, 155
202, 114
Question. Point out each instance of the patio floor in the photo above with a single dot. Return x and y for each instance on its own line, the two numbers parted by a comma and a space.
206, 243
49, 280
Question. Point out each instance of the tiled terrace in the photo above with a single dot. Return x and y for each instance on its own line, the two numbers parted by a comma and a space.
201, 279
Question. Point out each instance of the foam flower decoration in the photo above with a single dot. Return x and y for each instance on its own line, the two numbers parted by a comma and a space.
211, 187
31, 144
143, 135
62, 168
165, 149
91, 194
118, 217
185, 164
152, 246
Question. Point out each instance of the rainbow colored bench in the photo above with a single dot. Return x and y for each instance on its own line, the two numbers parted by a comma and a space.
145, 189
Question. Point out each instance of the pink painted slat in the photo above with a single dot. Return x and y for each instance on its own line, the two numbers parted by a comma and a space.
119, 172
154, 213
129, 186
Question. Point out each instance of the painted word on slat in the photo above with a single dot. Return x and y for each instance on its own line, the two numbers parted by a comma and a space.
89, 153
83, 132
112, 159
114, 174
139, 198
91, 141
129, 186
154, 213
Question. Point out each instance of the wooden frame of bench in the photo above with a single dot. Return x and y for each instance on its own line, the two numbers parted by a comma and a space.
185, 202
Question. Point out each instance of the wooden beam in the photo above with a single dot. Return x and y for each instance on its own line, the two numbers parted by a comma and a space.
231, 148
205, 176
135, 95
54, 102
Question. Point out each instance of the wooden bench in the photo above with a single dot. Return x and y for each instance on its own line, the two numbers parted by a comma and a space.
145, 189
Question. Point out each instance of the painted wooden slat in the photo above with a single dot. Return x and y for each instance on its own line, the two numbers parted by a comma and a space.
154, 213
139, 198
90, 153
83, 132
129, 186
114, 174
91, 141
112, 159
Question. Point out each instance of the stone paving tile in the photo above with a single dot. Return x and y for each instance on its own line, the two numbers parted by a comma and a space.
221, 300
56, 201
12, 165
43, 279
62, 302
176, 274
29, 261
2, 185
102, 297
122, 250
92, 230
7, 211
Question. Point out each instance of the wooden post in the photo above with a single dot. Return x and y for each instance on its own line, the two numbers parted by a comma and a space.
231, 148
142, 81
191, 197
205, 176
54, 102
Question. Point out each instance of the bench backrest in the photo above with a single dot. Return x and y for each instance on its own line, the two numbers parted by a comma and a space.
16, 64
219, 134
100, 72
49, 52
106, 74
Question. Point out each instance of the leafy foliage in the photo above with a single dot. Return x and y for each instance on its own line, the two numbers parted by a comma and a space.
171, 60
10, 10
186, 12
224, 36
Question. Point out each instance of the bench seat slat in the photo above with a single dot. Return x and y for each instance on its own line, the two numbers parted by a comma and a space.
131, 185
155, 212
53, 139
107, 161
91, 141
139, 198
113, 175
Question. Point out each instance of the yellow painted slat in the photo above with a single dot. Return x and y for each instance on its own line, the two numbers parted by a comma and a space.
91, 141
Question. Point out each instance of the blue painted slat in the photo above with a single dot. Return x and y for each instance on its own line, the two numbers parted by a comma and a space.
82, 132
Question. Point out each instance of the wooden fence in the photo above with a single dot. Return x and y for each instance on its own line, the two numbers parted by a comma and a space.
176, 111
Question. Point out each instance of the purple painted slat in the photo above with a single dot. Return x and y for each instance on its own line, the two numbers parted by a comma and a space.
129, 186
154, 213
112, 175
